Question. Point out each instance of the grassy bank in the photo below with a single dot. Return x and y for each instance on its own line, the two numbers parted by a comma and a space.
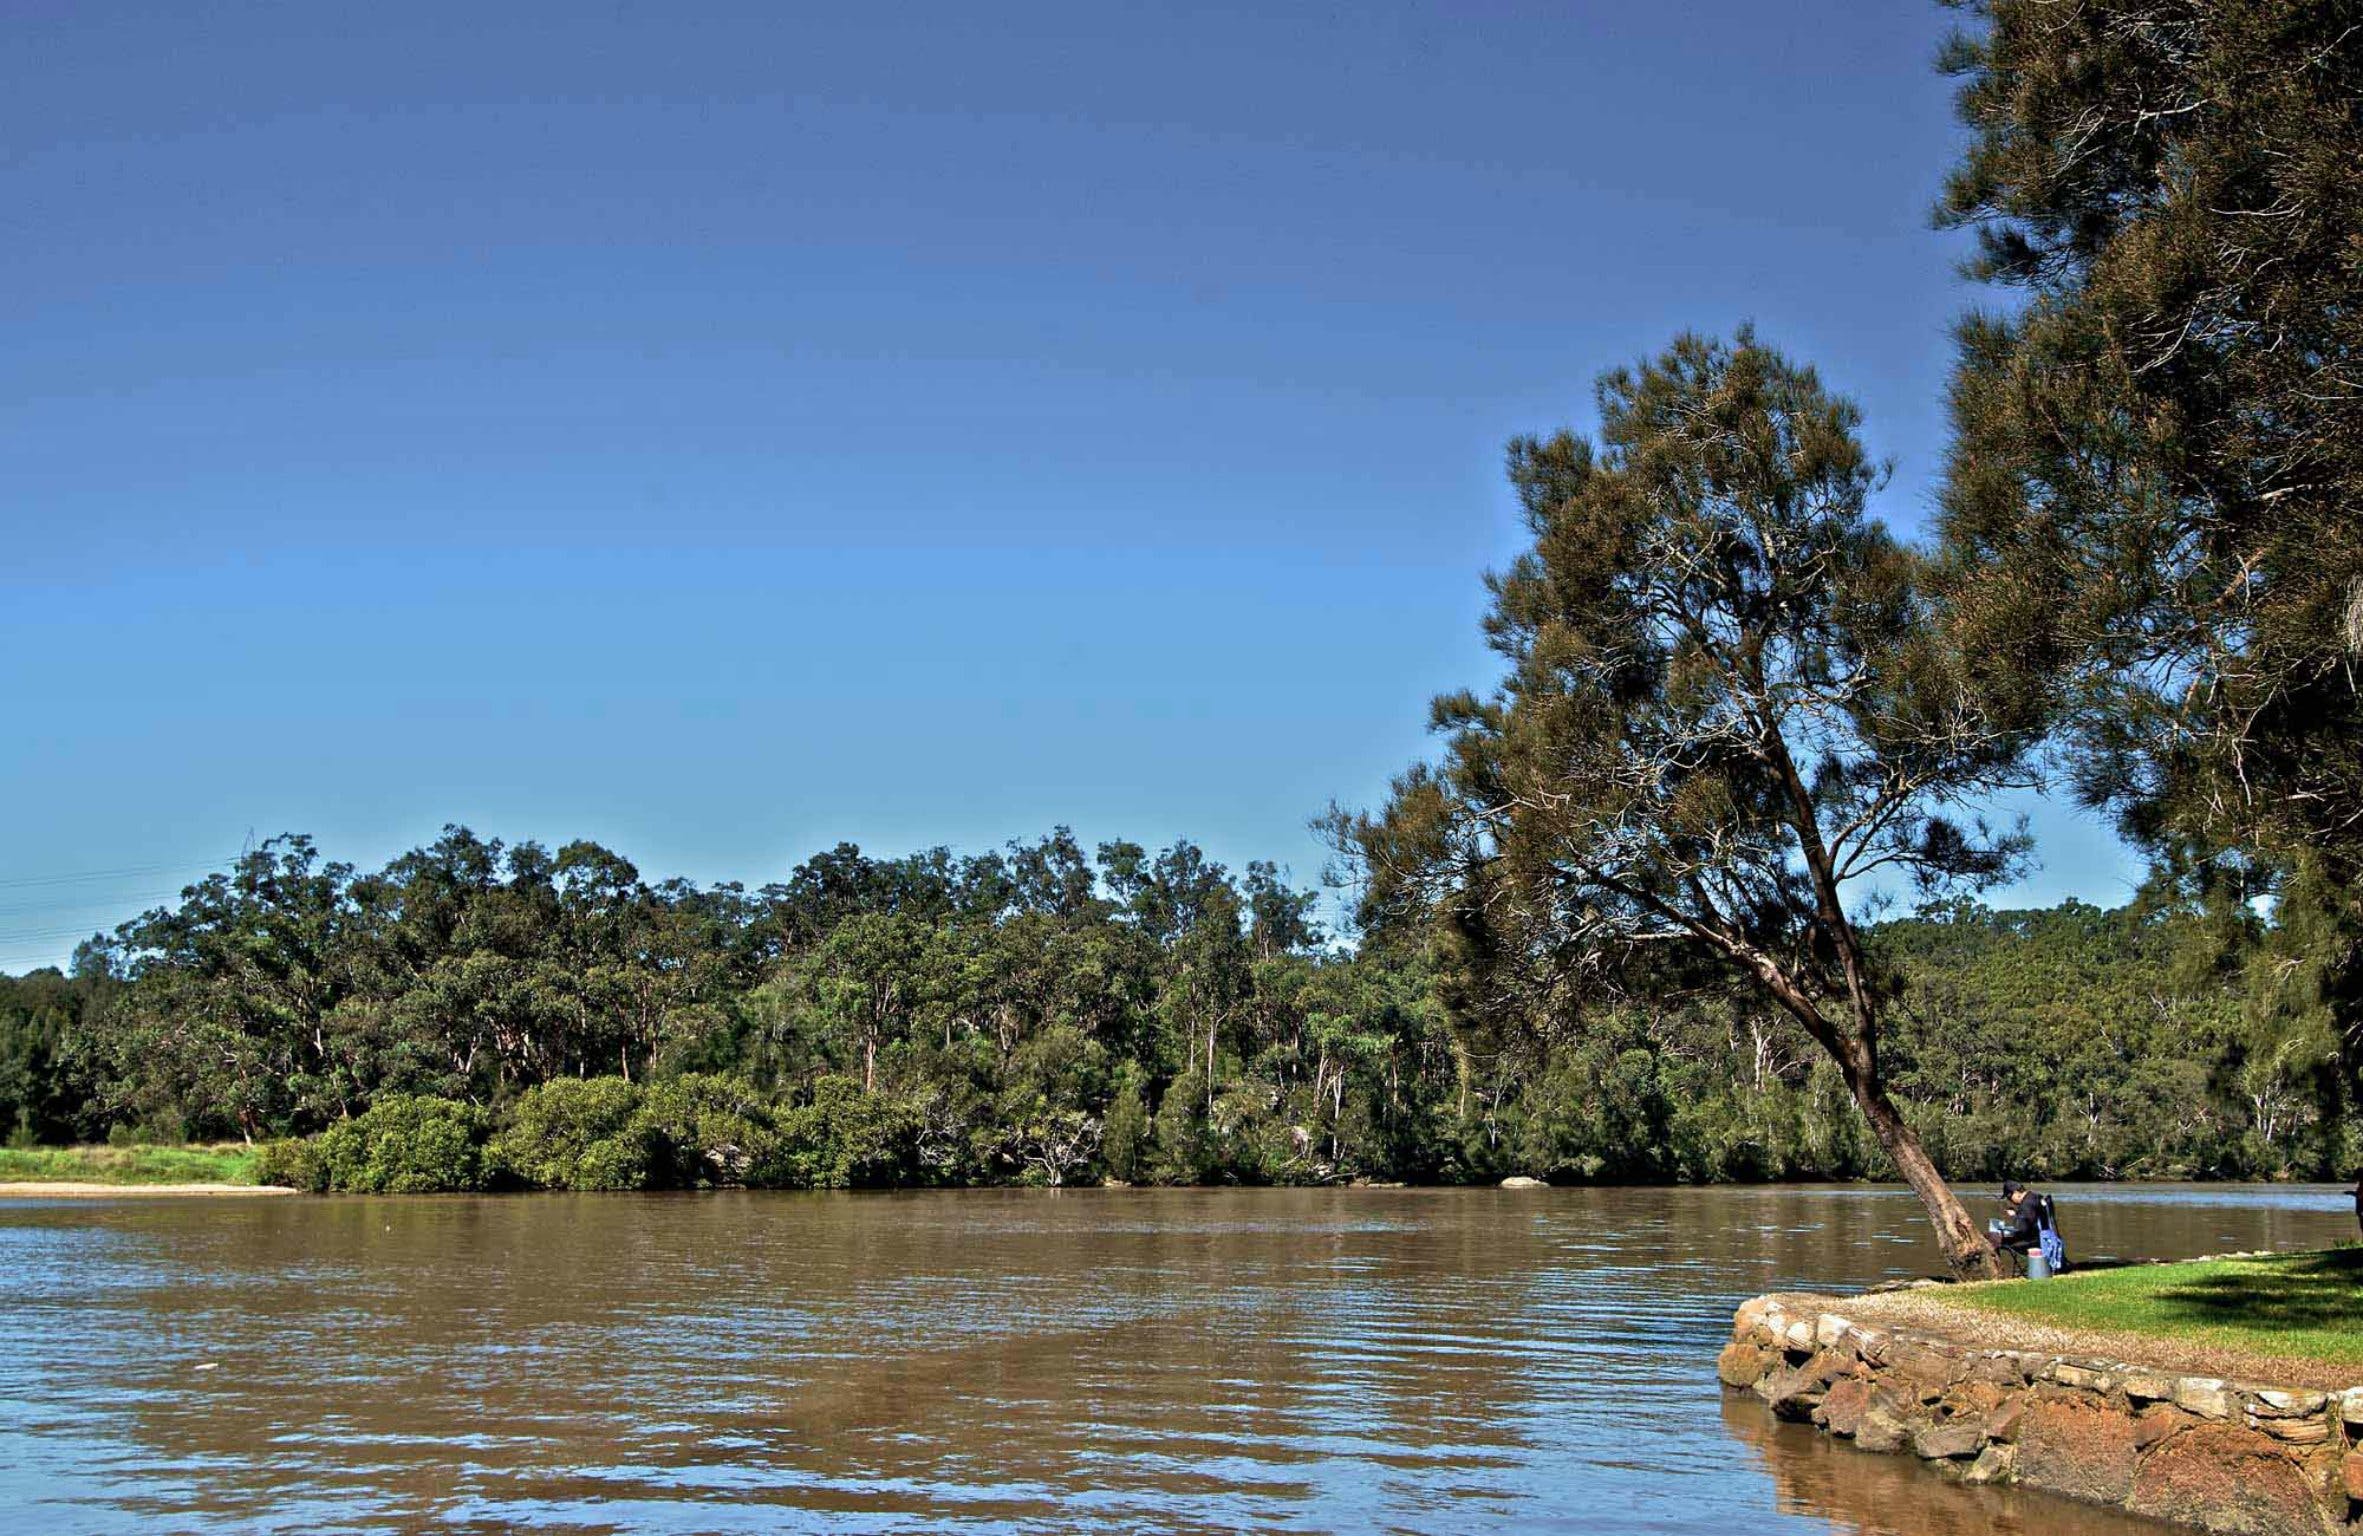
2306, 1306
227, 1163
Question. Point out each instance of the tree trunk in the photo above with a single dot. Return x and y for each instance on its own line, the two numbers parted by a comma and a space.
1967, 1253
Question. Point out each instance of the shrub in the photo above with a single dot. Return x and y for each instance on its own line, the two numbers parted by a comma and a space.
293, 1162
577, 1133
846, 1139
404, 1145
708, 1131
1124, 1139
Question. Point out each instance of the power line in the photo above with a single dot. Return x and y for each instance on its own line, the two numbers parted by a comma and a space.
112, 874
50, 935
41, 908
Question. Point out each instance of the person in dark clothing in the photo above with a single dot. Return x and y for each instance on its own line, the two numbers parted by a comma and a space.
2359, 1200
2026, 1215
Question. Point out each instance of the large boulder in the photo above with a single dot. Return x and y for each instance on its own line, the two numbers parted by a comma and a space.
1951, 1440
1931, 1371
1743, 1363
1793, 1393
2222, 1478
1881, 1430
1842, 1410
2072, 1445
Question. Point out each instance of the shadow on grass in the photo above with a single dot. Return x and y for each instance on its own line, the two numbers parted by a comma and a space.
2318, 1291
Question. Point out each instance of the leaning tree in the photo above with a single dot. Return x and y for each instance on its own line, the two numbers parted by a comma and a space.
1730, 718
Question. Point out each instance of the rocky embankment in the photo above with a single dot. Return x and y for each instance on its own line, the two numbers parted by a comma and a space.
2199, 1451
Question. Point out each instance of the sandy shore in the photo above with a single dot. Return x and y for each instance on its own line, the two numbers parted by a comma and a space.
49, 1189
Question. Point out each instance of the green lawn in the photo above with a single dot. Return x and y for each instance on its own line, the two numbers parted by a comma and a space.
227, 1164
2304, 1305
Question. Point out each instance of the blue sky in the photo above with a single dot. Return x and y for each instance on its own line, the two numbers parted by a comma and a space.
725, 430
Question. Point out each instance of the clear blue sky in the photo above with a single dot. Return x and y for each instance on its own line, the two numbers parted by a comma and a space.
725, 430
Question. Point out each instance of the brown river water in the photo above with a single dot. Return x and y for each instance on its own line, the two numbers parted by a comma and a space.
992, 1361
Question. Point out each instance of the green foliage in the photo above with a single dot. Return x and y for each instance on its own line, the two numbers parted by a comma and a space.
704, 1131
1053, 1021
846, 1139
1124, 1142
2154, 504
405, 1144
292, 1161
44, 1088
577, 1133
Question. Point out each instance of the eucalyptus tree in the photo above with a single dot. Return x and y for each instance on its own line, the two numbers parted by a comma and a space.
224, 1023
1729, 711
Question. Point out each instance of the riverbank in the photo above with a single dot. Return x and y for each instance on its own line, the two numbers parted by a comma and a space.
2219, 1394
35, 1189
152, 1168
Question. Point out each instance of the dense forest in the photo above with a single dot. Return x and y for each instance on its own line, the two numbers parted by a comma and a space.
1045, 1015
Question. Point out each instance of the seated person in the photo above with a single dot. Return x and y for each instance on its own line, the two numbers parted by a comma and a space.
2026, 1216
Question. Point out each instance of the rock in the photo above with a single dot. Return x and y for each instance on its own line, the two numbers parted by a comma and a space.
2350, 1409
1880, 1431
1844, 1406
2224, 1478
1793, 1393
1829, 1365
2203, 1396
1742, 1364
1927, 1369
2269, 1404
2085, 1377
2002, 1424
2074, 1446
1521, 1181
727, 1164
1797, 1338
2350, 1472
1830, 1330
2000, 1368
1994, 1464
1953, 1440
1753, 1320
2294, 1431
2155, 1423
2148, 1386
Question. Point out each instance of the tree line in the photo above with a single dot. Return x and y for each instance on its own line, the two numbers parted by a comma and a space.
478, 1013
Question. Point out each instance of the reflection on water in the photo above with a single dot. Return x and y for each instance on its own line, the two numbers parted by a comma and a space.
1842, 1489
993, 1360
